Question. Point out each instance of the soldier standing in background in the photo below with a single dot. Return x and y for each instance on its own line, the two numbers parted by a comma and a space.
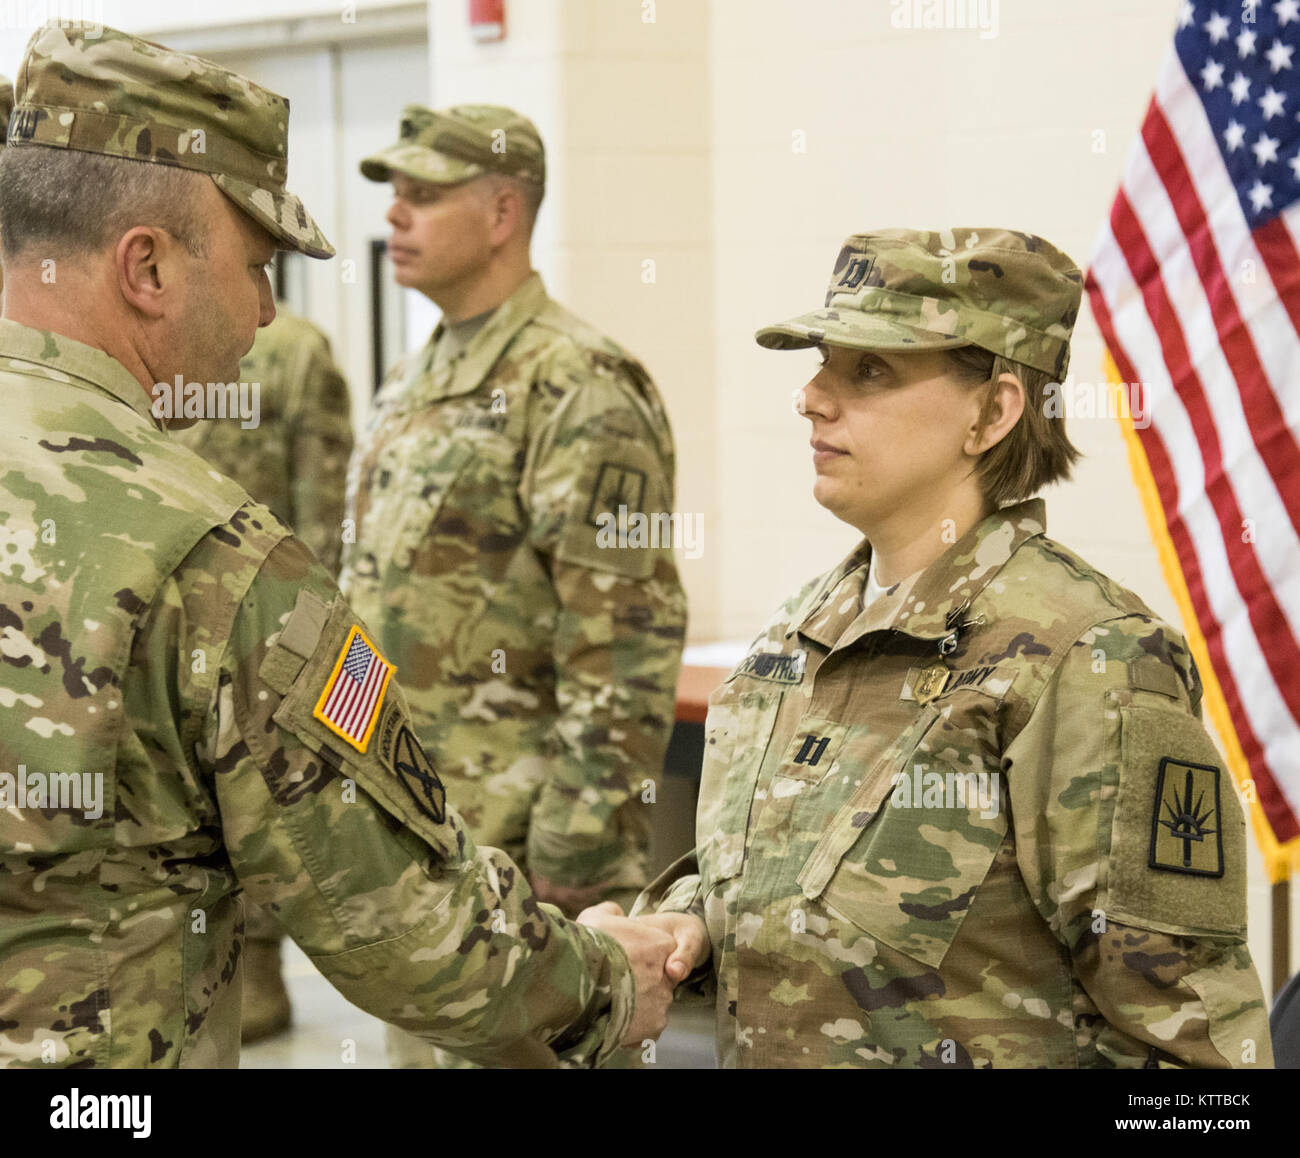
540, 658
179, 670
294, 461
6, 107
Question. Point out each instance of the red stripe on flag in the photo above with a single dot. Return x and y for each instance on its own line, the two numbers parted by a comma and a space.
1268, 428
374, 680
1277, 248
360, 713
345, 688
1277, 644
1275, 805
348, 708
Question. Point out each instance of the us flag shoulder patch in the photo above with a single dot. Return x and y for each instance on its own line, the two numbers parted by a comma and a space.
349, 705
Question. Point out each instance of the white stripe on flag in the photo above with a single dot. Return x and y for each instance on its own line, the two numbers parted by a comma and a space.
360, 713
1257, 496
1261, 309
340, 697
1270, 718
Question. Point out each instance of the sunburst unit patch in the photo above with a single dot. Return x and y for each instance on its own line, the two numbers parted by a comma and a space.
1186, 829
354, 693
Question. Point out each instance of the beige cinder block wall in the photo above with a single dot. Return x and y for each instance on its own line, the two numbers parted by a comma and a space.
736, 143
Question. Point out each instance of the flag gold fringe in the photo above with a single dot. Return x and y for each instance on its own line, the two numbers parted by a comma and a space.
1280, 860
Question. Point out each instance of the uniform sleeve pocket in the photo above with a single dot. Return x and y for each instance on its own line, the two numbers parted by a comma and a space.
614, 518
1178, 837
372, 745
904, 858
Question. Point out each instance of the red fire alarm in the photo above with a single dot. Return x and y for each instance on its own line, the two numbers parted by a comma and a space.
487, 20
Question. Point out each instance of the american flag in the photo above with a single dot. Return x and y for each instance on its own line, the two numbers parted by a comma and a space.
1196, 287
350, 703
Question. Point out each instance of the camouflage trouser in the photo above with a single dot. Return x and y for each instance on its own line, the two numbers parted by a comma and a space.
406, 1051
259, 925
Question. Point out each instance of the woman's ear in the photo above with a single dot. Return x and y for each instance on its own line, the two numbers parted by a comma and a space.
1003, 406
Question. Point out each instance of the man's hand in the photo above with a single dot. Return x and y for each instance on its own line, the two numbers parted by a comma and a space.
648, 949
570, 901
691, 936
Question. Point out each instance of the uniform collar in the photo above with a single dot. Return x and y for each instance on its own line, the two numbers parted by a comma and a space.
448, 376
937, 603
63, 359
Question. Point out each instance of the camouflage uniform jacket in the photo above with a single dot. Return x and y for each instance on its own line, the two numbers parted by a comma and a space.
296, 460
540, 661
167, 639
924, 854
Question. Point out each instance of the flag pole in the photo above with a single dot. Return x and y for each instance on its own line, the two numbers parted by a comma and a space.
1281, 934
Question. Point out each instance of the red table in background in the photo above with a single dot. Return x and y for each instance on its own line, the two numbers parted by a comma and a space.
693, 688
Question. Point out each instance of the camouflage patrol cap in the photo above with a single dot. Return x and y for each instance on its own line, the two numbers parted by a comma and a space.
98, 90
905, 289
6, 105
452, 145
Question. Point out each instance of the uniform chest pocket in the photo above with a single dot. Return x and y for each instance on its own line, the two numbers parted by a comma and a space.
904, 857
408, 488
742, 714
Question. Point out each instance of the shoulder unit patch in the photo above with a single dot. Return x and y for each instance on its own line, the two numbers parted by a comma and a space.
416, 772
1186, 830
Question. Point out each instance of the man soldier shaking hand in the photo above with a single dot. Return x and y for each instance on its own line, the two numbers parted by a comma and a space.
171, 645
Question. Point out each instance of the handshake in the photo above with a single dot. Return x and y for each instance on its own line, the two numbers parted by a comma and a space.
663, 949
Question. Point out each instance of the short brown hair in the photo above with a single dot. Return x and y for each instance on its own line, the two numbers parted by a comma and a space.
530, 193
74, 203
1034, 452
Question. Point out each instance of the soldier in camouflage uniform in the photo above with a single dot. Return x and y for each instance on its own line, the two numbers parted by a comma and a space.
540, 657
961, 811
188, 706
295, 462
6, 107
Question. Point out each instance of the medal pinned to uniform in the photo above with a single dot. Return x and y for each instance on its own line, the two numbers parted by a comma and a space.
1186, 834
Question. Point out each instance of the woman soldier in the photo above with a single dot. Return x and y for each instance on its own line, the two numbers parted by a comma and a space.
958, 807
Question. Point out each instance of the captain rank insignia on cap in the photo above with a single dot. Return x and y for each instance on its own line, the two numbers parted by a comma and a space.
1186, 832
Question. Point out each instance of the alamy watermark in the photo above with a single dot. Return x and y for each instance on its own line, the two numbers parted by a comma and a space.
981, 15
1110, 400
77, 1111
661, 529
921, 789
88, 15
181, 399
66, 791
